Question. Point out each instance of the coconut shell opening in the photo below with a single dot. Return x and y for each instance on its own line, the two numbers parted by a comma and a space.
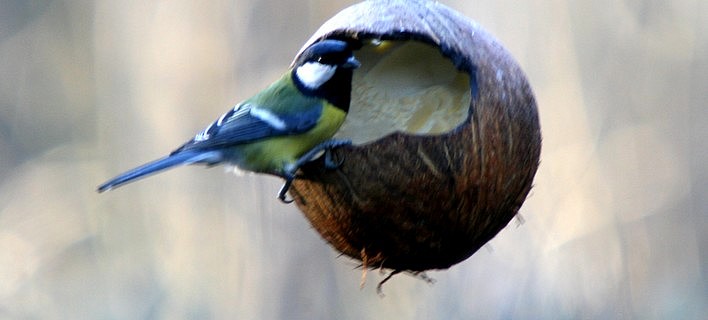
404, 86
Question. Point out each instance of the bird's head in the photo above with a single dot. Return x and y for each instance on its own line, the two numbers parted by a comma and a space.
324, 70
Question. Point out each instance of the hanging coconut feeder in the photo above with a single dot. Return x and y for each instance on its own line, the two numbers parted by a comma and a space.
446, 139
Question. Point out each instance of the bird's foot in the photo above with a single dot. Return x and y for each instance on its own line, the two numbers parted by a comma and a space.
327, 148
282, 194
329, 163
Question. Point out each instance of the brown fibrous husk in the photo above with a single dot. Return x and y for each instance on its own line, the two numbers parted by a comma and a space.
416, 202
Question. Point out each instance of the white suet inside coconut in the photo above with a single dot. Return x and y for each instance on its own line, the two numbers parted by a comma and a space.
406, 86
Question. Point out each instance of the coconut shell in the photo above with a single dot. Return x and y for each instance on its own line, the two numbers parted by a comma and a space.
413, 202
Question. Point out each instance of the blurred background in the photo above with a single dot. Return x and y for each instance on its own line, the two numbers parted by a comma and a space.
615, 227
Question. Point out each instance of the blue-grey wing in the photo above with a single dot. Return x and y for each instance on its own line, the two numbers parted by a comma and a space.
247, 123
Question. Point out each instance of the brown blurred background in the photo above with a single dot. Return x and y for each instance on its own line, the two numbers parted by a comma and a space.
616, 226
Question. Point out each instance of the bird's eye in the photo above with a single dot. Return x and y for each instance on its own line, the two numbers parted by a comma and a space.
330, 60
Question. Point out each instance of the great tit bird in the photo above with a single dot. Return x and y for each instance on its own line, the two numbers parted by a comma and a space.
280, 128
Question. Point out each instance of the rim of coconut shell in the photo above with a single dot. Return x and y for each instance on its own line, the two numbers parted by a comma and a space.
355, 26
499, 191
347, 26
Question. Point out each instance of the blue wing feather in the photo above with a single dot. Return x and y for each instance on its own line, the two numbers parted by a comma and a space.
239, 126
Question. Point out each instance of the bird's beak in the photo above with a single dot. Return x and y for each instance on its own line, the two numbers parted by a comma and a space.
352, 63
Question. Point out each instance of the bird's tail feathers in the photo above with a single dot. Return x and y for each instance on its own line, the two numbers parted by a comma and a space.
176, 159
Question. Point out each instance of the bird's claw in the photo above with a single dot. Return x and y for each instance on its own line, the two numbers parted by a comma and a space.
282, 195
329, 163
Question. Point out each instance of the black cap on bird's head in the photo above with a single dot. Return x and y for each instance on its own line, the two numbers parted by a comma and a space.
324, 70
329, 52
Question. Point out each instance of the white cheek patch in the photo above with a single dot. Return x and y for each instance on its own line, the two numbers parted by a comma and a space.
314, 74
